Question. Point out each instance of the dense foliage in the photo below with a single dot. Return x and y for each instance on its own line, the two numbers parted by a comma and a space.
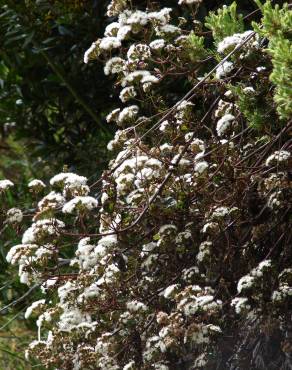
47, 93
179, 256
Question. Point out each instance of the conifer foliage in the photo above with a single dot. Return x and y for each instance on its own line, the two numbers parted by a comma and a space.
179, 257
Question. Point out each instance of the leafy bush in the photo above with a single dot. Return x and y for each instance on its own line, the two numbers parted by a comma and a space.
178, 257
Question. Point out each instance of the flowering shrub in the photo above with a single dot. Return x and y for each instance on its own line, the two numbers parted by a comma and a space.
184, 240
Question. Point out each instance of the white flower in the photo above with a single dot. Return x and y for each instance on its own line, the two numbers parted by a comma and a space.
130, 366
35, 305
135, 306
71, 318
14, 215
246, 282
48, 283
114, 65
113, 115
111, 29
190, 273
35, 184
137, 18
230, 42
115, 7
240, 304
262, 267
109, 43
51, 201
92, 52
166, 148
197, 145
167, 29
261, 69
128, 114
90, 292
127, 93
5, 184
41, 229
85, 254
68, 178
153, 163
160, 366
157, 44
134, 77
161, 17
209, 227
201, 167
204, 251
224, 123
224, 69
164, 125
105, 245
278, 156
220, 212
17, 254
119, 140
189, 2
123, 32
181, 162
147, 248
80, 203
23, 277
201, 361
124, 182
223, 108
284, 292
65, 289
249, 90
110, 276
148, 81
170, 291
167, 229
138, 52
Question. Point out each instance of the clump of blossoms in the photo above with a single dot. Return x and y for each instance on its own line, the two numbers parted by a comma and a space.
188, 240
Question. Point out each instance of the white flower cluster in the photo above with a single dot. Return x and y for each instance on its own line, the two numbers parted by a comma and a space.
138, 52
5, 184
230, 42
194, 299
91, 53
38, 241
36, 185
34, 306
42, 229
184, 112
189, 2
129, 22
51, 201
278, 157
224, 69
249, 281
114, 65
127, 93
284, 291
224, 123
80, 204
14, 216
135, 172
240, 305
